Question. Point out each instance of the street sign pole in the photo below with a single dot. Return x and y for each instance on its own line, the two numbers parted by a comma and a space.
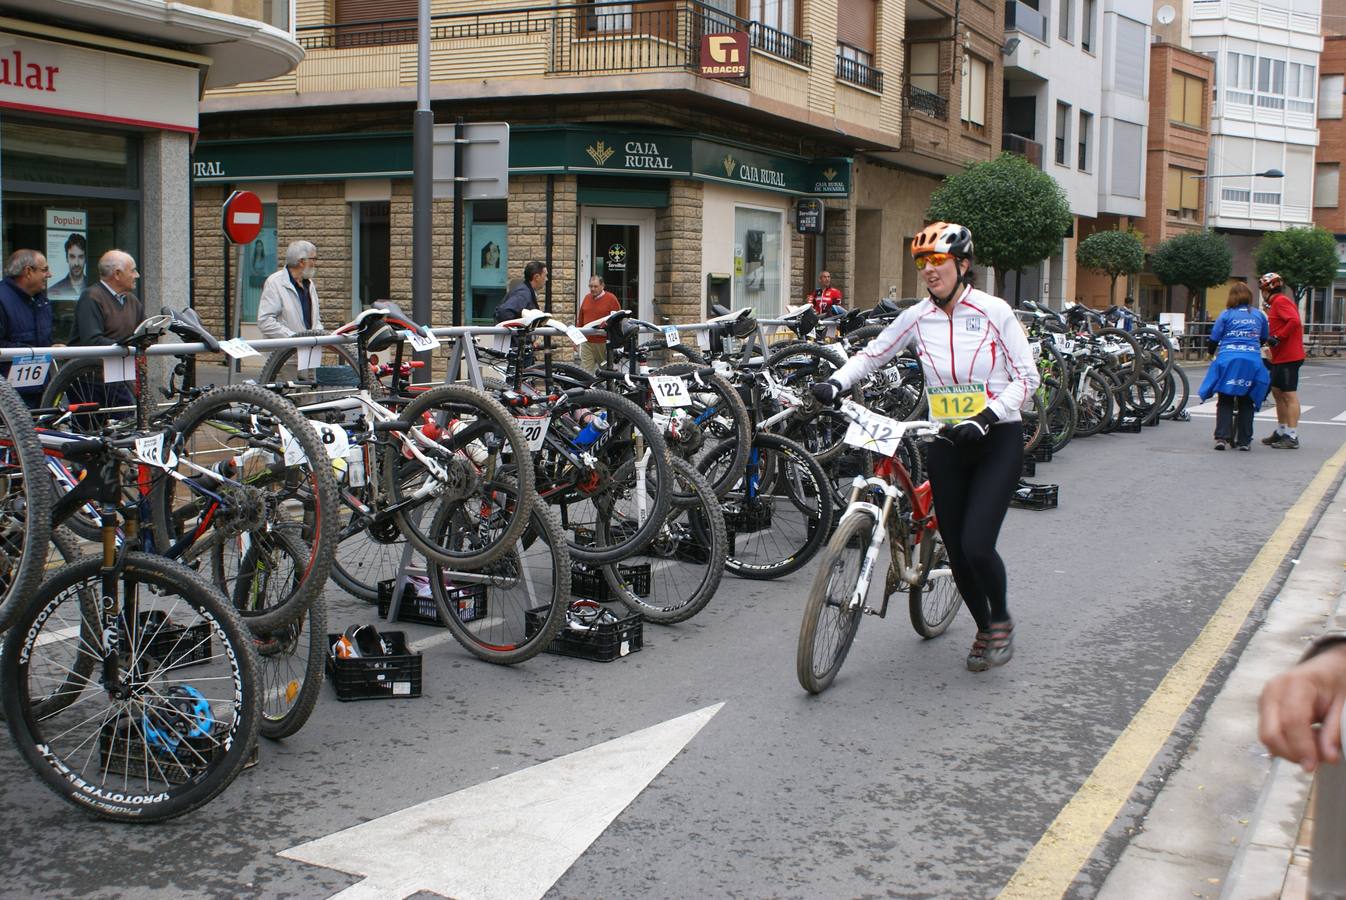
458, 158
422, 220
241, 220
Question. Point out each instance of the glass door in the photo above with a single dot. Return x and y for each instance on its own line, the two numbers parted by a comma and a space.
618, 246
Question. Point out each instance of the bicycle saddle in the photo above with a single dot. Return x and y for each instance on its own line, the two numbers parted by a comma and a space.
147, 331
186, 324
619, 326
802, 320
885, 307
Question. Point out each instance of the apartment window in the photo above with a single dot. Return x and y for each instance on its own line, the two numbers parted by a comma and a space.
1087, 27
276, 13
1130, 58
1271, 76
924, 60
1062, 132
1184, 99
1086, 137
974, 91
856, 27
1236, 195
363, 23
1326, 184
1067, 20
1299, 87
1182, 194
1330, 88
782, 15
1239, 79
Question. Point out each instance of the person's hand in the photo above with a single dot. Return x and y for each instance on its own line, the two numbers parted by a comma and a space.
1273, 341
1293, 702
970, 431
826, 392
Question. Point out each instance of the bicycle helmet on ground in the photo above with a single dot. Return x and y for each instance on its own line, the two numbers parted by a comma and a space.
943, 237
1271, 281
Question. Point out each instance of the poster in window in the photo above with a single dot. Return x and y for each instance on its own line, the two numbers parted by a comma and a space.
754, 266
486, 256
259, 261
67, 252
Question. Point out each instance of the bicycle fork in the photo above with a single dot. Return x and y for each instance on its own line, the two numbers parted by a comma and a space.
877, 537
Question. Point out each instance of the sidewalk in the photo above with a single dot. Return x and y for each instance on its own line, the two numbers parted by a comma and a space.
1231, 822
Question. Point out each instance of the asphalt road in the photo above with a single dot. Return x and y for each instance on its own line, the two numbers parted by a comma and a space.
910, 776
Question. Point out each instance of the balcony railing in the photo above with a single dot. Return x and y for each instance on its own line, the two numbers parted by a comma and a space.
583, 38
1025, 19
857, 72
1029, 150
931, 104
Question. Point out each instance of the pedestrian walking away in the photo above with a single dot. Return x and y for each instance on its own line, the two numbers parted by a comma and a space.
969, 342
1287, 355
1237, 374
25, 313
596, 304
109, 311
289, 301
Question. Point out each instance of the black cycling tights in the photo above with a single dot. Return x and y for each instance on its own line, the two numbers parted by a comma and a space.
972, 487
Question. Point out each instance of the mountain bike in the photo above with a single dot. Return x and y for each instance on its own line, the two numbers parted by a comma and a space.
882, 506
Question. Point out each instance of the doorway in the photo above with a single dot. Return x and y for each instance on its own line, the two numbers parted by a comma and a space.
618, 246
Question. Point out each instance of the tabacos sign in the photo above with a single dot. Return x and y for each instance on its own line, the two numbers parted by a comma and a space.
725, 55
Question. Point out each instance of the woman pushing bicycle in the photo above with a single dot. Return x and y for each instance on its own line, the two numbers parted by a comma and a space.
979, 372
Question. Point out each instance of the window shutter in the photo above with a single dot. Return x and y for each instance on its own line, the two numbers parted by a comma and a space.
1190, 190
856, 23
1191, 113
1175, 95
1131, 60
374, 11
1126, 149
1330, 89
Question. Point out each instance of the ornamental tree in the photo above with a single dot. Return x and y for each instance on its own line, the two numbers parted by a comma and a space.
1112, 253
1018, 214
1196, 260
1305, 257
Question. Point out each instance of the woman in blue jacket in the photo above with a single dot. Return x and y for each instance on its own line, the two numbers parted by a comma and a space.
1237, 373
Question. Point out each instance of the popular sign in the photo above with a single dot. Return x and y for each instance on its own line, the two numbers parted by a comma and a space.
725, 55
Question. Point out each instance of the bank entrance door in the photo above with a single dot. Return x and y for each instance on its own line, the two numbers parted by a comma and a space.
618, 246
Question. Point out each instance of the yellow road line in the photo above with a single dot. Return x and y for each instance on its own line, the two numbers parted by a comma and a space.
1051, 866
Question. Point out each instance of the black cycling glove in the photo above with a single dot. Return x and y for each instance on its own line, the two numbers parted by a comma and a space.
827, 392
970, 431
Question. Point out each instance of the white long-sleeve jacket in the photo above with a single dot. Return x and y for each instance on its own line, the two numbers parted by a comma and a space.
979, 340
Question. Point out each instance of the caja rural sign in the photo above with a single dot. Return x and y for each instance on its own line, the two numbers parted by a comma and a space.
725, 55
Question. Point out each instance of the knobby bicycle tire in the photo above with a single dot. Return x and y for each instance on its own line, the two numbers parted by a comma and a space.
829, 618
933, 602
729, 406
184, 752
821, 434
25, 507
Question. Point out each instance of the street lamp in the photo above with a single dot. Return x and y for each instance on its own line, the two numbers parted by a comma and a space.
1269, 173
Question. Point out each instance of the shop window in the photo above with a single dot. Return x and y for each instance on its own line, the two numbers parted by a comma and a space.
371, 236
260, 259
487, 251
757, 260
73, 194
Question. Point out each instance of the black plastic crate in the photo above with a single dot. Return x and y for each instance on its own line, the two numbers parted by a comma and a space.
123, 747
174, 646
587, 581
422, 609
748, 516
1035, 496
1030, 466
1043, 451
1128, 425
602, 642
395, 676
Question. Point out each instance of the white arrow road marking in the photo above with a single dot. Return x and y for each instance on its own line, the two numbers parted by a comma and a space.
510, 838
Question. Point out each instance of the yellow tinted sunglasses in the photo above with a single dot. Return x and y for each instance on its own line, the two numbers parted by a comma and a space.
932, 259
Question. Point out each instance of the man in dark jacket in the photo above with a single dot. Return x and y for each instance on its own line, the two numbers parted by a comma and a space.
524, 295
109, 311
25, 314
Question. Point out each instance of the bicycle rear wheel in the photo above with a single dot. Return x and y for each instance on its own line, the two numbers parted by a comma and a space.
25, 505
188, 719
935, 601
832, 614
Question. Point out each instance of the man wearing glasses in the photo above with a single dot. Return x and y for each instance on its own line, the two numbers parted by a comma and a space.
25, 313
289, 301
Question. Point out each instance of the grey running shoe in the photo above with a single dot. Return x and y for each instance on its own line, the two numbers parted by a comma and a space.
1000, 644
976, 657
1271, 438
1245, 447
1285, 442
1221, 445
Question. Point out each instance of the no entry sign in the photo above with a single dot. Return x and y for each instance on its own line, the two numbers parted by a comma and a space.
242, 217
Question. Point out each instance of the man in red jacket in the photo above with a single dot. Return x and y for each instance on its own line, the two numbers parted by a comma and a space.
597, 303
826, 296
1287, 355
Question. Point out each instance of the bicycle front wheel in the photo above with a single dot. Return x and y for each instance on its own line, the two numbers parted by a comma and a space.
25, 505
177, 727
833, 612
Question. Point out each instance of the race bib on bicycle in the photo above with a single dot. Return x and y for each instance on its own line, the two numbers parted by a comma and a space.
670, 391
334, 439
534, 430
29, 371
670, 333
294, 451
151, 451
237, 348
953, 403
421, 342
873, 432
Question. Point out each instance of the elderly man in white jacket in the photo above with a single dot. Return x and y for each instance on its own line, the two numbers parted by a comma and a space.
280, 312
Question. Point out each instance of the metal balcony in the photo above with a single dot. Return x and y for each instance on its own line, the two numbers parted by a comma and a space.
1025, 19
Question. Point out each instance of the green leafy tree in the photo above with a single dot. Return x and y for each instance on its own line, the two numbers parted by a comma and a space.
1018, 214
1112, 253
1196, 260
1305, 257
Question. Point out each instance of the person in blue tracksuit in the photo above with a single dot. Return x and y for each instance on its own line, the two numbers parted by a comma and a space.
1237, 374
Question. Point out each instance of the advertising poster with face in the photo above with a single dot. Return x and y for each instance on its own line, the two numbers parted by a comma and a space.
67, 252
487, 255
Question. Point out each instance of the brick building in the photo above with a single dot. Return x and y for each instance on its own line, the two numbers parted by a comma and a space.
1329, 207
